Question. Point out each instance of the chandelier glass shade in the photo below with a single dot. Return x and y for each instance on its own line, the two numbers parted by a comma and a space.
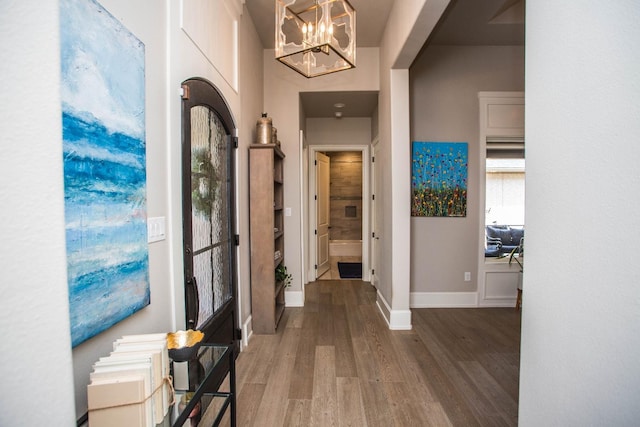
316, 37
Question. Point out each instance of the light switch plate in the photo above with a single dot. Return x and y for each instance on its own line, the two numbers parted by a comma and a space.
155, 229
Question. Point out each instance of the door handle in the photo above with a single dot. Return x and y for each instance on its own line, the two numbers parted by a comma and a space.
193, 302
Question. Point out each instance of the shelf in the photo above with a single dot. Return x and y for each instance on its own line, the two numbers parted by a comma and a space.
277, 261
279, 288
273, 147
279, 312
205, 376
266, 205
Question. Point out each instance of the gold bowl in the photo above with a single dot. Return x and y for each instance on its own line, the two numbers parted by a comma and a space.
184, 345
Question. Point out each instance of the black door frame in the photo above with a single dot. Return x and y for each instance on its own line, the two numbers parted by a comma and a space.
222, 327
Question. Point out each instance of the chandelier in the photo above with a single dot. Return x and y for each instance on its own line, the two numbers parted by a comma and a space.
316, 37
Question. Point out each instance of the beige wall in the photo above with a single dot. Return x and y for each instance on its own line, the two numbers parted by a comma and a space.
407, 29
346, 131
346, 178
352, 132
251, 102
282, 102
445, 81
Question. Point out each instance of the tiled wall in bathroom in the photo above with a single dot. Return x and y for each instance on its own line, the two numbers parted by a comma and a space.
346, 195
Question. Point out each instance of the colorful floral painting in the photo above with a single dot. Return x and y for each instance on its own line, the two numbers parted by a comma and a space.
439, 179
103, 131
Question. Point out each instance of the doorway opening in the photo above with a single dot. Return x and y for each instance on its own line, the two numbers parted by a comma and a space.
346, 209
208, 210
345, 215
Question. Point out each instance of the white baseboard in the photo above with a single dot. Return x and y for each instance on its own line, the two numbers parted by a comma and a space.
498, 302
383, 306
247, 331
400, 320
397, 320
443, 299
293, 299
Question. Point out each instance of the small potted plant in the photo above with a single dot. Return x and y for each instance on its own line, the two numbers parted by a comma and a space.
282, 276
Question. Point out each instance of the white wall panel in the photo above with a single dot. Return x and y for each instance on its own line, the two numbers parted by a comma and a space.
213, 27
501, 286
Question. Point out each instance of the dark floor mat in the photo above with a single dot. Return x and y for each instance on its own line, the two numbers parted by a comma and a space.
350, 270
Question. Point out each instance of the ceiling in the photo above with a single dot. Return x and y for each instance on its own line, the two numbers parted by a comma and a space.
371, 18
465, 22
480, 23
323, 104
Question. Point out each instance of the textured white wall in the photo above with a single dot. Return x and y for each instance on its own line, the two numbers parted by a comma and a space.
581, 308
36, 369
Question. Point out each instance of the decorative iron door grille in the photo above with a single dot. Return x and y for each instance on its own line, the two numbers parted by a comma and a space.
208, 213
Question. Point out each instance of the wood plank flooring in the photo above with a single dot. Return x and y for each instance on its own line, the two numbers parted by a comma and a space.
336, 363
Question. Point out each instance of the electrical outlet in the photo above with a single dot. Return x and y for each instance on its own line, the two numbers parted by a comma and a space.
467, 276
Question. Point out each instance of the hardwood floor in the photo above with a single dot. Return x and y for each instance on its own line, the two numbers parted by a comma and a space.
336, 363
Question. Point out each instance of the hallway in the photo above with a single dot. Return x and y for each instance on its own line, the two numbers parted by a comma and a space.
335, 362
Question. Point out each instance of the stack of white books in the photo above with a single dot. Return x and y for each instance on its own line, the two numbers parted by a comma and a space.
132, 385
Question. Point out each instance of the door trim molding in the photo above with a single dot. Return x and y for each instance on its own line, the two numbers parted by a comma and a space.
366, 205
485, 100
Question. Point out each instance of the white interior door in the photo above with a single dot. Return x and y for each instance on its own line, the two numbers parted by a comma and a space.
322, 213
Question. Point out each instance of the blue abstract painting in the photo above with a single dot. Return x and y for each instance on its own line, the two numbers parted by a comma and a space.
103, 131
439, 179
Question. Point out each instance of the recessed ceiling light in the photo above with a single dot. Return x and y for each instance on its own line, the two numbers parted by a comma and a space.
339, 105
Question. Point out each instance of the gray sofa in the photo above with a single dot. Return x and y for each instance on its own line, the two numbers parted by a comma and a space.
502, 239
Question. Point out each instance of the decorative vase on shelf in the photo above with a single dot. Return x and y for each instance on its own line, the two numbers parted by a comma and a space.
264, 130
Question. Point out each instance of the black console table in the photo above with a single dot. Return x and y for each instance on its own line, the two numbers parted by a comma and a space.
206, 374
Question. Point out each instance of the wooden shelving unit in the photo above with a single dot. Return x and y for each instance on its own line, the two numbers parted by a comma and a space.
266, 212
